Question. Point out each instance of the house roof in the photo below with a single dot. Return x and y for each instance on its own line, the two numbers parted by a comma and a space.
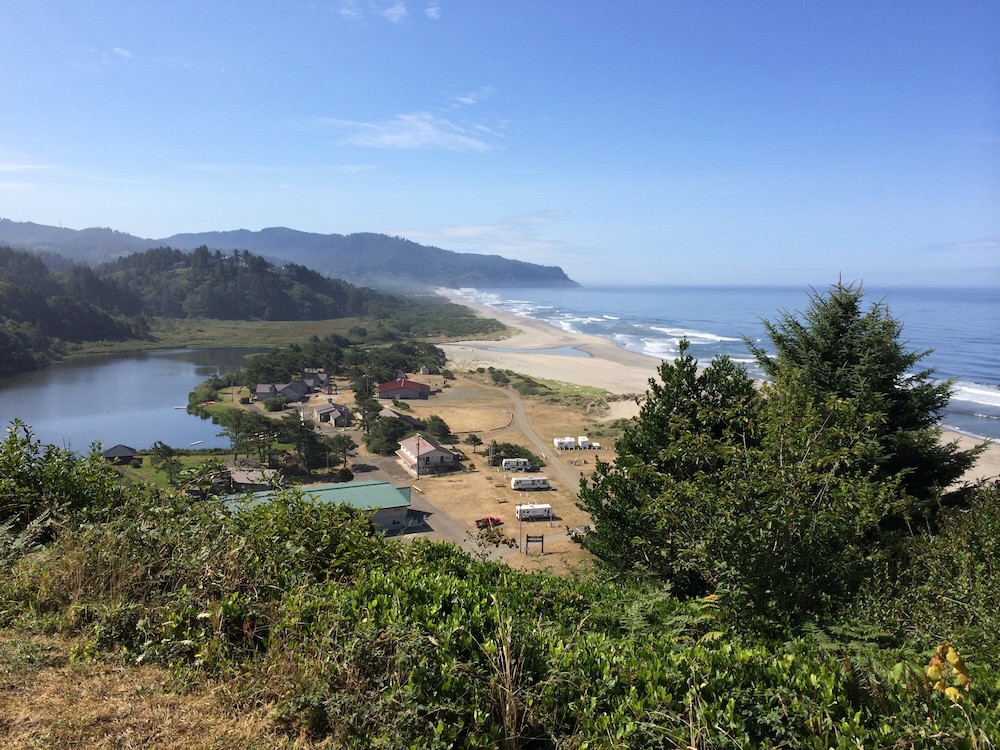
403, 384
119, 451
326, 408
369, 495
421, 445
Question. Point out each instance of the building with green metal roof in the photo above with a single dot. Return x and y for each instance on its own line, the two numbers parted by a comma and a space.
388, 505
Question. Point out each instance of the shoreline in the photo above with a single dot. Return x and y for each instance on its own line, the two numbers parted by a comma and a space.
607, 366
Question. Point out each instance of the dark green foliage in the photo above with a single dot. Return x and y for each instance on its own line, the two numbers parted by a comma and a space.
165, 458
949, 581
40, 310
499, 377
474, 440
385, 434
836, 349
785, 501
171, 283
438, 429
250, 432
761, 498
37, 480
277, 403
345, 636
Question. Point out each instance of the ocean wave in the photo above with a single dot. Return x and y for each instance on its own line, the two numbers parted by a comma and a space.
695, 337
977, 393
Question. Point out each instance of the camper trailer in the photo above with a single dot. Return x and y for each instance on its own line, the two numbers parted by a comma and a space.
564, 443
529, 483
534, 512
584, 442
515, 464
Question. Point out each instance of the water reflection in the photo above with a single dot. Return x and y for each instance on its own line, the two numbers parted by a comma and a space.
119, 398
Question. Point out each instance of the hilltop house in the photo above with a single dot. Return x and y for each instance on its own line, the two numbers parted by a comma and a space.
336, 414
404, 389
386, 506
317, 379
119, 454
296, 390
424, 455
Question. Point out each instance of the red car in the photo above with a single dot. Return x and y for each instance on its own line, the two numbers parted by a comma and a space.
487, 522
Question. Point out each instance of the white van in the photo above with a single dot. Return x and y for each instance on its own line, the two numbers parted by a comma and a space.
534, 512
515, 464
529, 483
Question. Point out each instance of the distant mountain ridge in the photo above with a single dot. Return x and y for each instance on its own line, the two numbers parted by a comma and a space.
365, 259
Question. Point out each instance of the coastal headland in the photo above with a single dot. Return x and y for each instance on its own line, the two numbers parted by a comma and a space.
545, 351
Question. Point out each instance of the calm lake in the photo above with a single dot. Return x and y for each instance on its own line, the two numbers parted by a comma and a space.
120, 398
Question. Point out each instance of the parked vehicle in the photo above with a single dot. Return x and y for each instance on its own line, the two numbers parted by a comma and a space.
515, 464
534, 512
530, 483
487, 522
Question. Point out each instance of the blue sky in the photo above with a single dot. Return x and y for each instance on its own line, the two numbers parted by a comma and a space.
628, 142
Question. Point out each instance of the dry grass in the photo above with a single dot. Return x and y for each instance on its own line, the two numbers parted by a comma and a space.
50, 701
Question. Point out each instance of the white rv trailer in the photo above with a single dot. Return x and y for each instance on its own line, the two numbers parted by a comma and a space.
534, 512
515, 464
583, 441
529, 483
564, 443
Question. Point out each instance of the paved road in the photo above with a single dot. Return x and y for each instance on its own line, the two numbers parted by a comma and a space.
429, 521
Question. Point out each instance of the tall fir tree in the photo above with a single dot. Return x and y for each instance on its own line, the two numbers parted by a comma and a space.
837, 349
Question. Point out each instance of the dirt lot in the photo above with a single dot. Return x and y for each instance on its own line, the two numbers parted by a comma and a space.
471, 406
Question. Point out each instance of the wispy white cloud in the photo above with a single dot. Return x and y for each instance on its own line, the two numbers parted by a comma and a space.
433, 11
985, 244
396, 13
351, 10
415, 130
474, 97
276, 169
518, 237
21, 167
9, 185
122, 53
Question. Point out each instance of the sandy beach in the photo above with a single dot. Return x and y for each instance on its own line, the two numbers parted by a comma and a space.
544, 351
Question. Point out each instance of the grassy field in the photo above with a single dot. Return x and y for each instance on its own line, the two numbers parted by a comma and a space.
174, 333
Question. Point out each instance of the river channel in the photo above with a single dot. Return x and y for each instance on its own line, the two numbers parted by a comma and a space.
120, 398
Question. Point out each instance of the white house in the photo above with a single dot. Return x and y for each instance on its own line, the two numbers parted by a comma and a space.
424, 455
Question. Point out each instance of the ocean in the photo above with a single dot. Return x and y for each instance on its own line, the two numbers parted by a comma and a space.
960, 326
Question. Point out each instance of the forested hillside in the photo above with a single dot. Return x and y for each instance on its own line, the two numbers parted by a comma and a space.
367, 259
383, 261
42, 312
200, 284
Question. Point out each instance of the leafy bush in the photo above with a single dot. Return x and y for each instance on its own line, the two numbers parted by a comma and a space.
357, 640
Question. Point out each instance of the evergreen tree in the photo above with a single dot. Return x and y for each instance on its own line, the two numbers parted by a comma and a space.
669, 461
839, 350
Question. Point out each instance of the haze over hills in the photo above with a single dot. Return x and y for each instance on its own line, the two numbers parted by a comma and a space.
365, 259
